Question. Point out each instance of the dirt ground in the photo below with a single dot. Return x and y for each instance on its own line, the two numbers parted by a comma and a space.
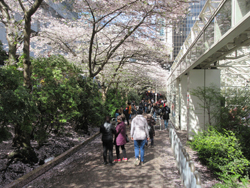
56, 145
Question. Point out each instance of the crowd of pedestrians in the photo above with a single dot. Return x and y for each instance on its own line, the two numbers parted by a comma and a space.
142, 129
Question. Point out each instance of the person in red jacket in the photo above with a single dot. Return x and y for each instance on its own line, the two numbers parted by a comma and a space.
120, 140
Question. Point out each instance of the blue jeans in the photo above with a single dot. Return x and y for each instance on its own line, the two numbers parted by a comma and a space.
154, 116
152, 141
166, 123
139, 146
146, 108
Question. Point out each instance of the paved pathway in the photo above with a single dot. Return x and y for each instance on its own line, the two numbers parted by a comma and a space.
85, 168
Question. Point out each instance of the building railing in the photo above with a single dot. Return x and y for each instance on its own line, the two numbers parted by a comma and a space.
190, 177
214, 25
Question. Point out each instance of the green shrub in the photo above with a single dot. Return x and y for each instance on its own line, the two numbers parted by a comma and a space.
55, 92
133, 96
232, 181
114, 100
3, 54
4, 134
91, 107
221, 152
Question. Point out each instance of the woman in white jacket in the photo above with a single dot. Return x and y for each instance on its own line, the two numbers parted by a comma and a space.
139, 133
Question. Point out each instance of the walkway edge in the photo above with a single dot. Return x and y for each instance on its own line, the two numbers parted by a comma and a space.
22, 181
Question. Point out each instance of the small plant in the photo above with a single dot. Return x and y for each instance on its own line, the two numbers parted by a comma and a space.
210, 100
232, 181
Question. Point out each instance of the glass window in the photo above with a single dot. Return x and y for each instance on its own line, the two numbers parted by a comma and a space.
209, 35
200, 48
223, 18
242, 8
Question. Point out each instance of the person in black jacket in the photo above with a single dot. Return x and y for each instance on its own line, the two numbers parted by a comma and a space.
151, 129
165, 113
107, 130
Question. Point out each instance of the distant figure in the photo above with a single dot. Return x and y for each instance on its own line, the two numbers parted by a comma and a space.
107, 130
133, 107
151, 129
141, 105
165, 113
139, 133
116, 114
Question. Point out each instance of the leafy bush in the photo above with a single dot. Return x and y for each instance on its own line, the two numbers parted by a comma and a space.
4, 134
55, 92
91, 107
133, 96
63, 95
220, 152
18, 109
16, 106
114, 100
232, 181
3, 54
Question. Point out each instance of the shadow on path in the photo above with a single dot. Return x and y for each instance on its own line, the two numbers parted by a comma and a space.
86, 169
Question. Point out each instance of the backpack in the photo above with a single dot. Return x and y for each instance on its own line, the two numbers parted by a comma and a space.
159, 111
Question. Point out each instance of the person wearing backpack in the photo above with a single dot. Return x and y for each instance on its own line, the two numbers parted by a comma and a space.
120, 140
107, 130
151, 129
165, 113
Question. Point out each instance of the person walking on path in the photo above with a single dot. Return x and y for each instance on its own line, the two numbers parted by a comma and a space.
155, 110
165, 113
133, 108
116, 114
120, 140
107, 130
151, 123
129, 109
141, 105
126, 113
139, 133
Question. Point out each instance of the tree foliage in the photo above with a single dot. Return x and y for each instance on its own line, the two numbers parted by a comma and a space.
3, 54
60, 95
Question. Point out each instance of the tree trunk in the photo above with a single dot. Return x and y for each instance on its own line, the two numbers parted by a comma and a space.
12, 49
26, 51
23, 152
103, 92
22, 137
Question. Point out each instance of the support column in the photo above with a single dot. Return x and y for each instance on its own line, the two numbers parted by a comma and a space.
183, 103
197, 115
171, 102
177, 104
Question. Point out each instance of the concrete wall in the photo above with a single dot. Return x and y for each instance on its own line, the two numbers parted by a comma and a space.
198, 118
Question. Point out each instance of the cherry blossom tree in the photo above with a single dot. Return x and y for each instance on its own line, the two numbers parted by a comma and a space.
28, 12
22, 136
107, 30
13, 25
137, 76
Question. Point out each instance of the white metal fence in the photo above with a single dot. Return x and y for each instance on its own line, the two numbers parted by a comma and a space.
190, 177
